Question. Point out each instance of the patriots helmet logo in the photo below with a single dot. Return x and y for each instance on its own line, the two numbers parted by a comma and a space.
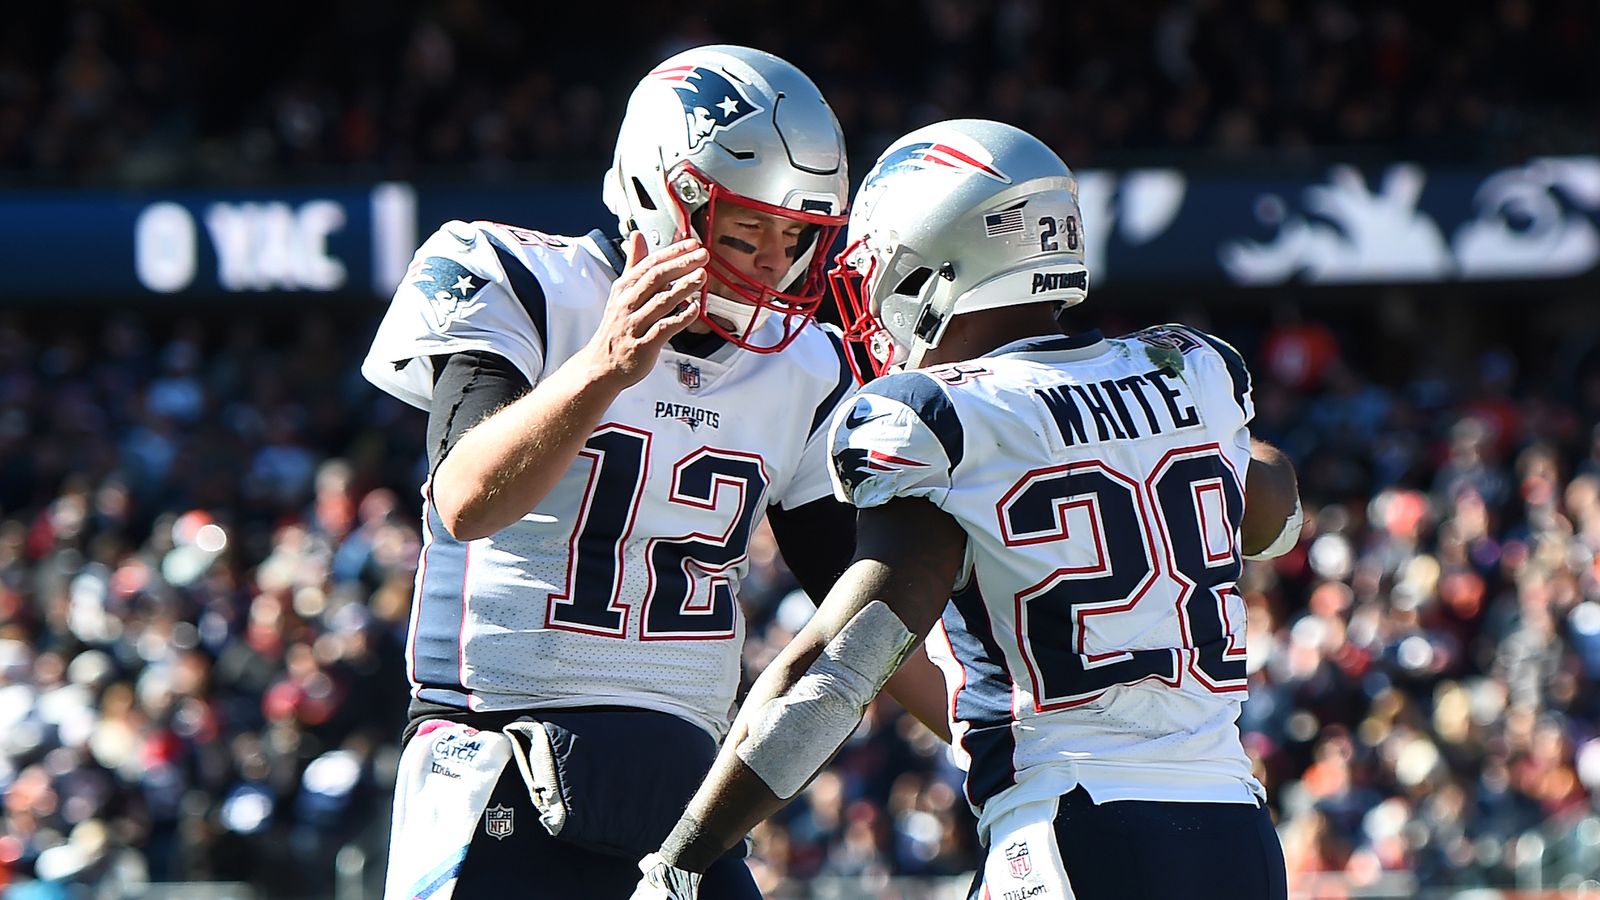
446, 283
934, 156
712, 101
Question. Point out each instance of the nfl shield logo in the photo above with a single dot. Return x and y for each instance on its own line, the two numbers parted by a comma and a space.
689, 376
1021, 863
497, 822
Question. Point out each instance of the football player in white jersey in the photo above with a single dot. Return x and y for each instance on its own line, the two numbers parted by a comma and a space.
608, 421
1079, 501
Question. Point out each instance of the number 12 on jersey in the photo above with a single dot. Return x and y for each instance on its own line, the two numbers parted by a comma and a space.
1179, 524
688, 594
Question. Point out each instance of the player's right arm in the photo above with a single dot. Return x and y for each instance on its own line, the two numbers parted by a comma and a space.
812, 696
501, 468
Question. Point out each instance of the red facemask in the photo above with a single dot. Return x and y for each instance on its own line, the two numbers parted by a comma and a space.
794, 306
852, 291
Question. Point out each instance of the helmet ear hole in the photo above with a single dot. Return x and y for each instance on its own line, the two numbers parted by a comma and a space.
912, 284
642, 194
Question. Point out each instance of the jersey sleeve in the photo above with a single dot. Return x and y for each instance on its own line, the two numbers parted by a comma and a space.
465, 289
811, 480
899, 437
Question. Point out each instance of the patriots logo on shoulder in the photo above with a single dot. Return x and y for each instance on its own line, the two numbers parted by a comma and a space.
857, 464
712, 101
445, 283
935, 156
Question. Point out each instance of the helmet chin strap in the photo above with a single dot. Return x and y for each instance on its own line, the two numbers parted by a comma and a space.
740, 318
934, 317
914, 357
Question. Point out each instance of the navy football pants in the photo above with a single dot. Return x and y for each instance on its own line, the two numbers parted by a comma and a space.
627, 775
1174, 851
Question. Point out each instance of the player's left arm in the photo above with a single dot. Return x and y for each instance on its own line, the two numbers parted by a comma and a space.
1272, 513
811, 698
818, 541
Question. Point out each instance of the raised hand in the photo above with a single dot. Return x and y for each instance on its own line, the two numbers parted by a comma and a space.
656, 297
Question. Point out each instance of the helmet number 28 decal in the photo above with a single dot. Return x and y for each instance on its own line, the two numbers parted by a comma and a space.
1066, 227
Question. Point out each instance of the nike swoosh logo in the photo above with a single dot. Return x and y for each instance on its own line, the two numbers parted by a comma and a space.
856, 419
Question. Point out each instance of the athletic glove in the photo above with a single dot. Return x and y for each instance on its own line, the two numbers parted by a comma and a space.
665, 882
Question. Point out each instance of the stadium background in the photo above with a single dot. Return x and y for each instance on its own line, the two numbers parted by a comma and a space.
208, 520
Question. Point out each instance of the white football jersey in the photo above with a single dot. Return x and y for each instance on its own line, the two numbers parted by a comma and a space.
620, 587
1096, 638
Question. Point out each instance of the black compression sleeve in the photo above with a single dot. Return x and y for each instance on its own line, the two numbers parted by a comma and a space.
467, 387
818, 541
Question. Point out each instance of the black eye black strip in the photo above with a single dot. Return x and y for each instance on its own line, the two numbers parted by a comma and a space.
729, 240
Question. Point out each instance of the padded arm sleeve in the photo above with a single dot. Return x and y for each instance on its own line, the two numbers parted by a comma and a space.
467, 388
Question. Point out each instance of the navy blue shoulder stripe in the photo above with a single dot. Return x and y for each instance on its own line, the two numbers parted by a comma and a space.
1237, 371
525, 285
924, 395
846, 380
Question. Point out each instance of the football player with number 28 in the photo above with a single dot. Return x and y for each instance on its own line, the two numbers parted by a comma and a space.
608, 421
1067, 514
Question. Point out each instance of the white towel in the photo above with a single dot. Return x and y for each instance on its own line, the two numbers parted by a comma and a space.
446, 775
1024, 860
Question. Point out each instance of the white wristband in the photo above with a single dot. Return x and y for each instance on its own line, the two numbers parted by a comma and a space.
1287, 538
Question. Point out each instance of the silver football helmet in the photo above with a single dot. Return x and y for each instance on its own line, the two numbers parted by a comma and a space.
719, 127
956, 217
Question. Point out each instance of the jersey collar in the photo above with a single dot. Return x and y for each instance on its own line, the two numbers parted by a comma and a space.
1083, 340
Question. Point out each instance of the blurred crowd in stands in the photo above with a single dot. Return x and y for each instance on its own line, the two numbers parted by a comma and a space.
102, 89
208, 532
204, 582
